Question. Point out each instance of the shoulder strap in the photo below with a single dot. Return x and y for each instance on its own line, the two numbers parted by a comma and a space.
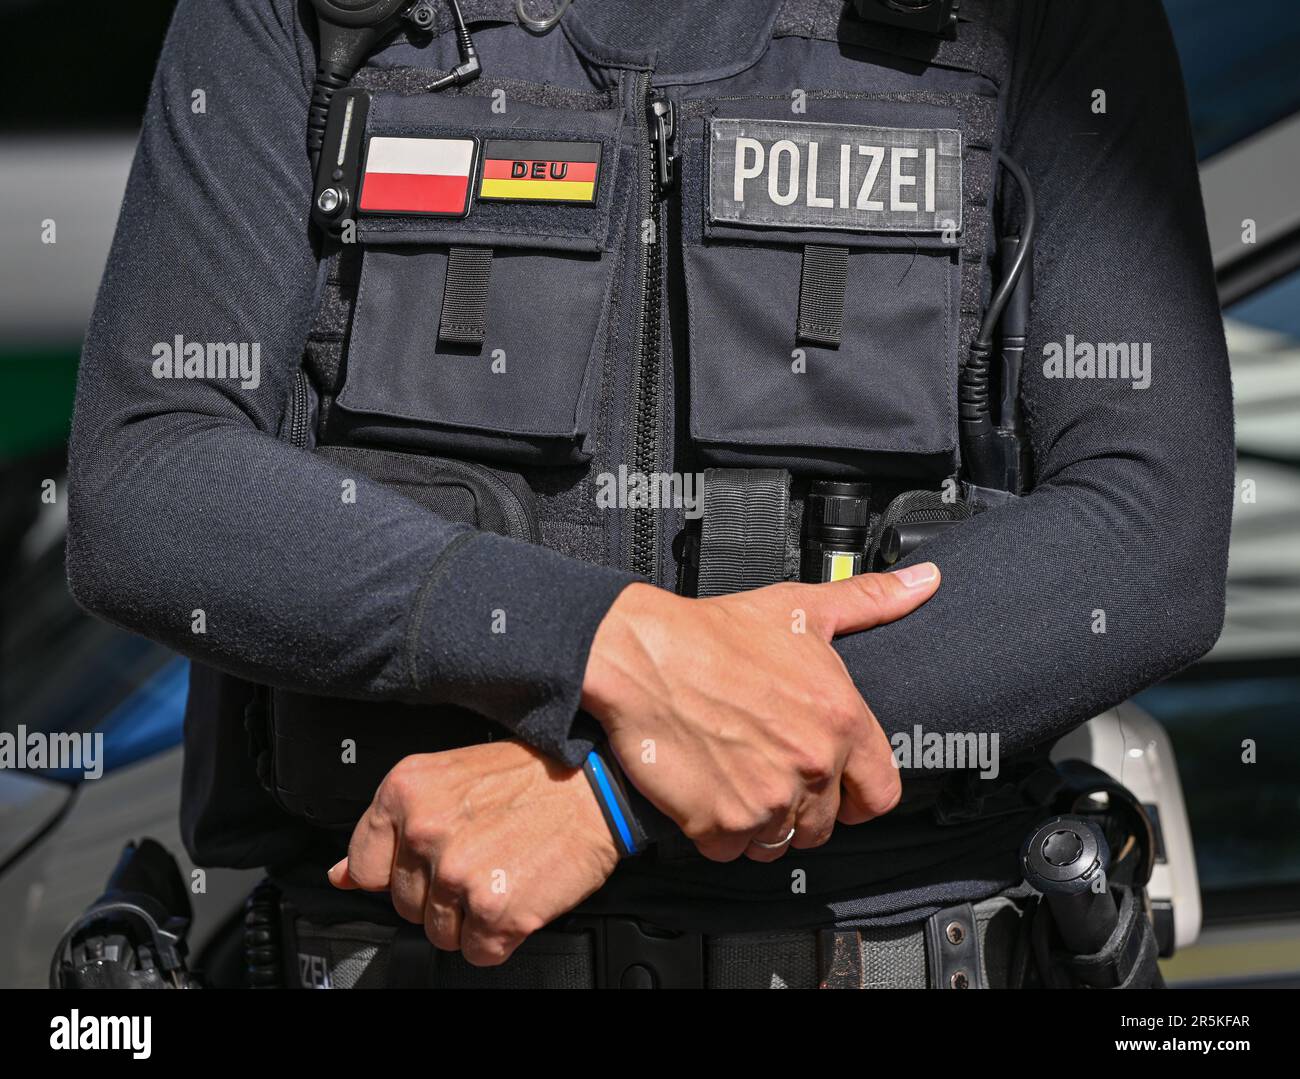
982, 43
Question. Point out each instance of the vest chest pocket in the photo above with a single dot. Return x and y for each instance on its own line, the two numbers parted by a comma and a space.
483, 308
822, 256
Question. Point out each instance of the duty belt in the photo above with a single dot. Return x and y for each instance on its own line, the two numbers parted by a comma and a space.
960, 947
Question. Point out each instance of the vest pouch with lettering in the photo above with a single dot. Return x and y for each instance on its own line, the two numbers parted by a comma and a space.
538, 187
885, 181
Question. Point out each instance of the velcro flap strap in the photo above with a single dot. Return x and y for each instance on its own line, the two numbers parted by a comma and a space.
821, 294
465, 296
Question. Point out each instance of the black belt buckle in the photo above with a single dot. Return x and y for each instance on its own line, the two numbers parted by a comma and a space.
630, 955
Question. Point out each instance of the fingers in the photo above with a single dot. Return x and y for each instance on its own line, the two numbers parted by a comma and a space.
371, 852
777, 838
444, 918
499, 920
725, 846
816, 819
339, 877
808, 825
486, 945
872, 784
870, 599
410, 884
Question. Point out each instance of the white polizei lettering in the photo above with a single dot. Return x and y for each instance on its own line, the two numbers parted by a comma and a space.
897, 179
912, 184
864, 200
815, 199
790, 150
744, 173
929, 179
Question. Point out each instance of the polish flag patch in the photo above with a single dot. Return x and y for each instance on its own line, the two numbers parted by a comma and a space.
417, 176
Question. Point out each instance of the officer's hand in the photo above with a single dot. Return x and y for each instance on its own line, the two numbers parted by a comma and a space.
483, 845
737, 718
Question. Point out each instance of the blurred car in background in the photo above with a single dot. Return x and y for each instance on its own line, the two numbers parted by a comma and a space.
1234, 718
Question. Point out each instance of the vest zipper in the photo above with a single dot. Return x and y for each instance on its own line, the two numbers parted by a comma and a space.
298, 411
660, 119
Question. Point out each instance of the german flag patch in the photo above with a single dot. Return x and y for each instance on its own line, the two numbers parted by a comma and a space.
540, 171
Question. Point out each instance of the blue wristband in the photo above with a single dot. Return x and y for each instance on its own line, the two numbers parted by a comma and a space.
606, 779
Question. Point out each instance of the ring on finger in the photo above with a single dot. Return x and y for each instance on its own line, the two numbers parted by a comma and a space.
774, 846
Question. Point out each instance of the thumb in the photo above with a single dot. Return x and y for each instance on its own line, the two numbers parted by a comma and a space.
870, 599
340, 877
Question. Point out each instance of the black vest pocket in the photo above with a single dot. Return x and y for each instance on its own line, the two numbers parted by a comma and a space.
481, 332
491, 500
525, 395
878, 185
329, 755
884, 401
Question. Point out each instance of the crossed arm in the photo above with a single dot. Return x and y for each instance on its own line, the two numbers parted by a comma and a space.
759, 734
184, 497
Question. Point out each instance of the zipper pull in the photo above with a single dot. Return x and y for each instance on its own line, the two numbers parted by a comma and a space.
663, 133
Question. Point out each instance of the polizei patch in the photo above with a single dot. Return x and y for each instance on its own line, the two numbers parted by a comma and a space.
540, 171
792, 174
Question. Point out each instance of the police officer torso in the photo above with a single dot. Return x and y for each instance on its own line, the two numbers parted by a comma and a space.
554, 296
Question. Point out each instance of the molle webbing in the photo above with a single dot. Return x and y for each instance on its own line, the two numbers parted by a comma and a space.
564, 499
413, 81
746, 523
480, 11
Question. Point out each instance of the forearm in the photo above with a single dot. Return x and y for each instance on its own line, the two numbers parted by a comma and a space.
239, 550
1051, 611
1110, 574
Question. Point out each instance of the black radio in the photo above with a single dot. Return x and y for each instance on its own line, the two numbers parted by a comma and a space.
351, 29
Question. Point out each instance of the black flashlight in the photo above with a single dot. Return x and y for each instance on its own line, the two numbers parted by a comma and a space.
836, 529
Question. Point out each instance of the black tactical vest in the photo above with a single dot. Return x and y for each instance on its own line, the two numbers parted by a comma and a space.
583, 266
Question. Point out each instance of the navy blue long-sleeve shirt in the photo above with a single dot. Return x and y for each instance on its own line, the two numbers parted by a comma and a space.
185, 498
